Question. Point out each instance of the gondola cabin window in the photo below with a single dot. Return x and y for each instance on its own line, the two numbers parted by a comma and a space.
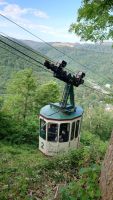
77, 128
64, 132
52, 132
42, 129
72, 130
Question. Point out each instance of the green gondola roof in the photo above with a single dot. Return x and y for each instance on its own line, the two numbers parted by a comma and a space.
50, 112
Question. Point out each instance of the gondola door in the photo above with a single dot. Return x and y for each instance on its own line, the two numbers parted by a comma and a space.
75, 133
52, 138
64, 131
43, 135
72, 143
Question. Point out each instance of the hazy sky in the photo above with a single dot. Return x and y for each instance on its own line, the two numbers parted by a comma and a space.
48, 19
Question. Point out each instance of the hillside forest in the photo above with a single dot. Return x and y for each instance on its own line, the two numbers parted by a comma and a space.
26, 86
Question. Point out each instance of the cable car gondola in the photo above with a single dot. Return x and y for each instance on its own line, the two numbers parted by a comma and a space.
60, 122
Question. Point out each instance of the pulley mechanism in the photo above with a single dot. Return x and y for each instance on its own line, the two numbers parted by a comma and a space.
70, 80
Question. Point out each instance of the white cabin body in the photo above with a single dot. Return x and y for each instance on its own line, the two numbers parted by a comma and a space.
59, 132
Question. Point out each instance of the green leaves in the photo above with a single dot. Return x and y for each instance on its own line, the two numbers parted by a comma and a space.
94, 20
84, 188
47, 93
22, 103
99, 122
75, 174
21, 91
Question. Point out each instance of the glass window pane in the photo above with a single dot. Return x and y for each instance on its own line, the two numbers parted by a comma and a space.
52, 132
64, 132
42, 129
77, 128
72, 130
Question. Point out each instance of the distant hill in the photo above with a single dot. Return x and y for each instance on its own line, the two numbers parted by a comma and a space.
94, 59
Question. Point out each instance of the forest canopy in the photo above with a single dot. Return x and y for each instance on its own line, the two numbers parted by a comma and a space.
94, 21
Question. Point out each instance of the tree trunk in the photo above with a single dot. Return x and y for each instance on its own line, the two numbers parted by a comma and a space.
106, 178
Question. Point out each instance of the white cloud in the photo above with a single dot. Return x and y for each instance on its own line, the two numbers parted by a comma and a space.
60, 33
15, 11
3, 24
40, 14
40, 27
2, 2
19, 15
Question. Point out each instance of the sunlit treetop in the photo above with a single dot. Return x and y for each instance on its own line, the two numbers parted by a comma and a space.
95, 20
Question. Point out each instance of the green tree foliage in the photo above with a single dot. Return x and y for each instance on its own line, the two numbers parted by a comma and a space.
22, 102
47, 93
109, 100
99, 122
95, 20
21, 92
76, 172
18, 107
97, 147
84, 188
7, 126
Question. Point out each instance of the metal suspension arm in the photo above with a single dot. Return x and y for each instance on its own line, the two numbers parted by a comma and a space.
67, 101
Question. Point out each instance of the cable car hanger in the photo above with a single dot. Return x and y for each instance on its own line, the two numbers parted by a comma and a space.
67, 103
